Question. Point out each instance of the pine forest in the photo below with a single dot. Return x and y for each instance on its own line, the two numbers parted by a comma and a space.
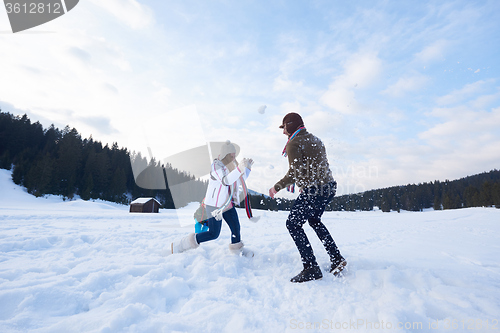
60, 162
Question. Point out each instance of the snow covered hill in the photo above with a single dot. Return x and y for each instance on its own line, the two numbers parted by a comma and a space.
76, 266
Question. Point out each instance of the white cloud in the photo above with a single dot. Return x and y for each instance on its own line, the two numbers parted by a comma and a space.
323, 124
342, 100
434, 52
406, 85
76, 75
129, 12
461, 124
482, 102
283, 84
459, 95
83, 55
290, 107
361, 71
466, 142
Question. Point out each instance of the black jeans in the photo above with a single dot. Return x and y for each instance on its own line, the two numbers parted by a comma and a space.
310, 206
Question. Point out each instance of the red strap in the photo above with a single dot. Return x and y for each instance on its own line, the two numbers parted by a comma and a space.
248, 207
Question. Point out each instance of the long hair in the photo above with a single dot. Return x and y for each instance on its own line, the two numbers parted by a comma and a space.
229, 163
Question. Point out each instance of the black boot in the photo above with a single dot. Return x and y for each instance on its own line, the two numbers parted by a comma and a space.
308, 274
338, 266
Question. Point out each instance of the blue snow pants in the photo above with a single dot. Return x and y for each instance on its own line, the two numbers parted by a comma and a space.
214, 227
309, 207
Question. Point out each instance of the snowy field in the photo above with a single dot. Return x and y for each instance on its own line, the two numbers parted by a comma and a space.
76, 266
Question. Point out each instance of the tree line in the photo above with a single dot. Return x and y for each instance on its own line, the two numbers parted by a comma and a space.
60, 162
482, 190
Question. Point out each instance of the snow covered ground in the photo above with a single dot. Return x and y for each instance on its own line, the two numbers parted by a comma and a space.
76, 266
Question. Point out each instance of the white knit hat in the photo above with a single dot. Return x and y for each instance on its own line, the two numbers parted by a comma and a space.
227, 148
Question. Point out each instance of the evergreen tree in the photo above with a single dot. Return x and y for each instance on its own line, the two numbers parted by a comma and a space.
486, 197
88, 187
39, 178
68, 161
495, 194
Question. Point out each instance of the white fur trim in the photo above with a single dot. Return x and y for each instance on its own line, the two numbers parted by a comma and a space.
192, 240
236, 246
186, 243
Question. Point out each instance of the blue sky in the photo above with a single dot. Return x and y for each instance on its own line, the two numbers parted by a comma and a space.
400, 91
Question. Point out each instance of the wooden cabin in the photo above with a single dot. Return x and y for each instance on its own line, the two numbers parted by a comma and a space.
144, 205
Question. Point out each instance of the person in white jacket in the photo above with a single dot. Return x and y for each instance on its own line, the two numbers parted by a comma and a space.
223, 191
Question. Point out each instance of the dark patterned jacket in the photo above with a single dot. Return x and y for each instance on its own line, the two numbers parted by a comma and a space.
308, 163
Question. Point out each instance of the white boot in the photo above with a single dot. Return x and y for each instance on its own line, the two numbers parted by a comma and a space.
187, 243
237, 248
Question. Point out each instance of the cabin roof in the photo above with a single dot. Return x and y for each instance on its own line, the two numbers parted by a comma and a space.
143, 201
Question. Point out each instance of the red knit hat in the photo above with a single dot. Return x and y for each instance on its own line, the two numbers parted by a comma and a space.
292, 121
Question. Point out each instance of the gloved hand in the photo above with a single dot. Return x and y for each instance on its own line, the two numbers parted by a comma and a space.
217, 214
247, 163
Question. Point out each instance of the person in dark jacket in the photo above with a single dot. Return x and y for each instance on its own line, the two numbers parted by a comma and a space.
308, 169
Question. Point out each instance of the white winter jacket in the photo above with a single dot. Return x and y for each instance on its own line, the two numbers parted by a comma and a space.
219, 185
